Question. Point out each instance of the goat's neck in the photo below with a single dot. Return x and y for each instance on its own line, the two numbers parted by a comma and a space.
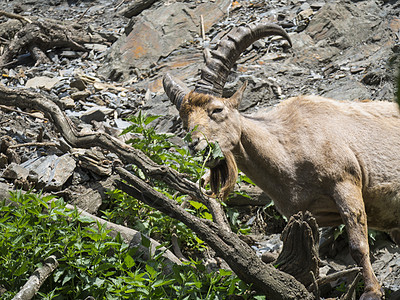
261, 156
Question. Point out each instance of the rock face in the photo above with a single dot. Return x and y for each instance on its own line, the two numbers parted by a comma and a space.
51, 171
157, 32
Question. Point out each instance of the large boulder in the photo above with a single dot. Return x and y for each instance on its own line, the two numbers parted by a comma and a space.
158, 31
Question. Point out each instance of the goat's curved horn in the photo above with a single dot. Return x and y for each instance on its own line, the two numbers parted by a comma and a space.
219, 63
175, 89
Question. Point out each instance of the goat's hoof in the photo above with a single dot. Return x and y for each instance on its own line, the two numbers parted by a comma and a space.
372, 295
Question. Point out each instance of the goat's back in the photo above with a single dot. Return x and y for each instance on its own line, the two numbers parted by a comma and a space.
346, 136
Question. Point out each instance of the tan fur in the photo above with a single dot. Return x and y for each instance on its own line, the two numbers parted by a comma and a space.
223, 177
338, 159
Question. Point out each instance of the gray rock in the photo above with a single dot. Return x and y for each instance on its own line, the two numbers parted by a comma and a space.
80, 95
53, 171
15, 171
78, 83
42, 82
157, 32
89, 197
121, 124
67, 102
96, 114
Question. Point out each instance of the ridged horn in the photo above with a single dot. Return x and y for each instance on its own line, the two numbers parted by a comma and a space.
220, 61
175, 89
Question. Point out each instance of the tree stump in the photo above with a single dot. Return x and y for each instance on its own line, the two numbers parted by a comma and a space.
299, 256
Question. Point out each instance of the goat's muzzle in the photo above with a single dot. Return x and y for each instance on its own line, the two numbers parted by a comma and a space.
201, 146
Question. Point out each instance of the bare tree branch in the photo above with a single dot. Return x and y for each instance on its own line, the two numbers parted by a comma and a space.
240, 257
32, 286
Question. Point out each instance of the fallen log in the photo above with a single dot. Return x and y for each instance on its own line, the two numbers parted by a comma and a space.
32, 286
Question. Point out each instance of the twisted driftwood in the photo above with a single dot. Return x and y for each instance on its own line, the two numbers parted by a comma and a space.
39, 35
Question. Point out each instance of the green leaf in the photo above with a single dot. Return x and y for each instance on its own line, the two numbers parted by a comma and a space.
216, 151
129, 261
85, 220
161, 282
149, 119
197, 205
145, 241
22, 268
207, 216
104, 267
223, 272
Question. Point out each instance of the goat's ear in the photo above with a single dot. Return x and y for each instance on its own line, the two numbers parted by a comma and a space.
238, 96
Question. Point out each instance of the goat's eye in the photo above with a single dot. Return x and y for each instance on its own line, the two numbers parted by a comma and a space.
216, 111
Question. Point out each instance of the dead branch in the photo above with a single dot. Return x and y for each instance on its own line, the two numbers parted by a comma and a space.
40, 35
352, 288
27, 99
337, 275
14, 16
176, 248
32, 286
36, 144
239, 256
21, 112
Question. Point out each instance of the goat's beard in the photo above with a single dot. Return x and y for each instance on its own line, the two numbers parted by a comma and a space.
223, 177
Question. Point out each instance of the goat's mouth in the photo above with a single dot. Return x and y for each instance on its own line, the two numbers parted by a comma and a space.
212, 155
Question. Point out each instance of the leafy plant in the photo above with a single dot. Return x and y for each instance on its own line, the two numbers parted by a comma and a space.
92, 263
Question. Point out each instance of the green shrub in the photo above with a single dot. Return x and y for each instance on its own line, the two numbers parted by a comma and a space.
91, 262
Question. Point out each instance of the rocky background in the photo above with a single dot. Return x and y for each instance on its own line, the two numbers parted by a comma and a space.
344, 49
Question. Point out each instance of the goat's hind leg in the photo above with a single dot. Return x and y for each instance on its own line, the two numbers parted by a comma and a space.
348, 198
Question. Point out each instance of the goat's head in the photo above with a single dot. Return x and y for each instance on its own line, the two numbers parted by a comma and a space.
206, 114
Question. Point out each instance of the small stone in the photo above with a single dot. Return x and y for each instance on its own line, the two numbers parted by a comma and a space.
97, 47
78, 83
53, 171
15, 171
80, 95
121, 124
69, 54
317, 5
67, 102
305, 14
42, 82
356, 70
96, 114
3, 160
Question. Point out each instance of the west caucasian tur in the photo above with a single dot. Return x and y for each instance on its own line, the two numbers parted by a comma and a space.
340, 160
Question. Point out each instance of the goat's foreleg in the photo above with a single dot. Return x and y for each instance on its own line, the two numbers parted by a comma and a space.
348, 198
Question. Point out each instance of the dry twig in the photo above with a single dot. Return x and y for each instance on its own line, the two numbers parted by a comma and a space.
14, 16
